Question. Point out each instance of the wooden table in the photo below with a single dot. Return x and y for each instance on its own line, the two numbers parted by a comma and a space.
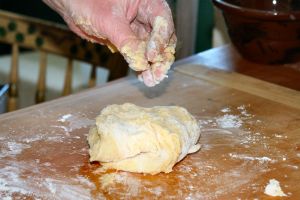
228, 59
250, 135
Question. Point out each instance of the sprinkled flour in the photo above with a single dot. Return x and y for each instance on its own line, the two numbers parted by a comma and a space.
13, 181
13, 148
73, 122
40, 177
134, 185
231, 118
225, 110
252, 158
229, 121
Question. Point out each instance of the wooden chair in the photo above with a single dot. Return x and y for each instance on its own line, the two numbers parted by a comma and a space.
46, 37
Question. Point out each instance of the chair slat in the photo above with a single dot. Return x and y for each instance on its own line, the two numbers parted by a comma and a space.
117, 67
68, 78
41, 85
13, 85
93, 76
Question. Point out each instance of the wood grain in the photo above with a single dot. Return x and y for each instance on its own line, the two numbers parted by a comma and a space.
228, 59
44, 148
244, 83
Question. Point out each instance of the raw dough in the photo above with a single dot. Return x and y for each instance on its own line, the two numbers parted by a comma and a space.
143, 140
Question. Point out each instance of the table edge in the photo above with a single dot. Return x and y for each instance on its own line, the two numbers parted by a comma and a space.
244, 83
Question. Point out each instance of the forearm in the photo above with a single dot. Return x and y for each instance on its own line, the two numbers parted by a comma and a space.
57, 5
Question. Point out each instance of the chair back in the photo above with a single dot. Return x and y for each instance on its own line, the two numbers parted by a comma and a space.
48, 37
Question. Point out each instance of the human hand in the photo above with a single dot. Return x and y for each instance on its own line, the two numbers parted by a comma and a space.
142, 30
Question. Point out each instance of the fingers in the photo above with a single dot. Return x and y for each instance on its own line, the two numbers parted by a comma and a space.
153, 51
159, 39
134, 53
162, 29
161, 43
157, 72
148, 78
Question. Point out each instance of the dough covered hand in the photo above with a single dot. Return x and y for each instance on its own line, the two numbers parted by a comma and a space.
142, 30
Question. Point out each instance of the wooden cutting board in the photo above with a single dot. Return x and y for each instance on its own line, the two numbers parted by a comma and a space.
250, 135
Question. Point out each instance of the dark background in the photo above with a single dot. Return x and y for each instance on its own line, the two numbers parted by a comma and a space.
33, 8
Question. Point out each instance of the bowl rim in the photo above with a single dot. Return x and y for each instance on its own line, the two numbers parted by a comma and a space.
268, 15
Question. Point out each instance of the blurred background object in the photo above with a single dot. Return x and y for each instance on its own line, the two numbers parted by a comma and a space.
199, 26
264, 31
32, 8
41, 38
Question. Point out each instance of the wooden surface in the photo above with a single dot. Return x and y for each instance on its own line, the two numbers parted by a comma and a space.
228, 59
248, 138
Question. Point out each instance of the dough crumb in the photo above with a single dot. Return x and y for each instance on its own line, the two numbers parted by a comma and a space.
274, 189
107, 180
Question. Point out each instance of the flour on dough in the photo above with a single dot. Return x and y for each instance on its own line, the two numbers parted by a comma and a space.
144, 140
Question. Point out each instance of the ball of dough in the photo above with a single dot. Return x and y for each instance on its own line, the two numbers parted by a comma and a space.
144, 140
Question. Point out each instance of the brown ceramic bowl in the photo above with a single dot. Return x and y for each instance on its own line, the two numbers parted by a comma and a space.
264, 31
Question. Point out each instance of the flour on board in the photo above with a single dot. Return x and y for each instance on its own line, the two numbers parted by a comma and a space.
24, 179
12, 149
225, 110
14, 182
229, 121
262, 159
72, 122
232, 125
133, 184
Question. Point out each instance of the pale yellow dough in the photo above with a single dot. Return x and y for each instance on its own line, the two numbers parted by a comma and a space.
144, 140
